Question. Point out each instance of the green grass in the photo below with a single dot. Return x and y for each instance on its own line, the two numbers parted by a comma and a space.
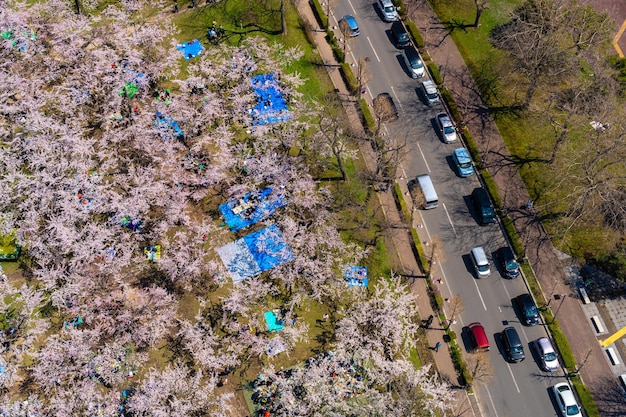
242, 18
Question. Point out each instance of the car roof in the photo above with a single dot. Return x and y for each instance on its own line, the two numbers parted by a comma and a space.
566, 393
351, 21
507, 252
462, 153
544, 344
525, 298
444, 118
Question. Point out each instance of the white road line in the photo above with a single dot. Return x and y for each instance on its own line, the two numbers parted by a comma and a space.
397, 99
403, 171
491, 401
514, 381
374, 50
423, 157
449, 219
353, 11
479, 294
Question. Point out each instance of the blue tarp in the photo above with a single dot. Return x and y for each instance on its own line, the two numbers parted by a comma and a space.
273, 325
167, 126
190, 49
252, 208
355, 276
255, 253
271, 107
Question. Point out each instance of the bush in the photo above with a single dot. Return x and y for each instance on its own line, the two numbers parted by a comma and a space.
368, 118
511, 232
319, 13
451, 103
415, 34
459, 364
332, 41
434, 72
349, 78
586, 400
401, 8
472, 147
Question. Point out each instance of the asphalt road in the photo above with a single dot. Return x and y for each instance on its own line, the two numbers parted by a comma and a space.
514, 389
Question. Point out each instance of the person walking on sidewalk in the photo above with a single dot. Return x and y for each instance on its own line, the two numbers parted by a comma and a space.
437, 346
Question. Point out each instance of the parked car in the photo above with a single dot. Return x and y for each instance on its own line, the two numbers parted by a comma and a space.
508, 262
384, 108
480, 262
484, 209
528, 309
463, 162
478, 336
399, 34
413, 61
352, 25
446, 127
547, 355
429, 88
388, 10
567, 405
513, 348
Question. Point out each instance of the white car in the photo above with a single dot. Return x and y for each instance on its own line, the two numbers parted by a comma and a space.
568, 407
388, 10
547, 355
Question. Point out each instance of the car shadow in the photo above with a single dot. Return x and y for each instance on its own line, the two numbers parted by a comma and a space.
469, 266
433, 123
402, 63
497, 340
466, 338
452, 165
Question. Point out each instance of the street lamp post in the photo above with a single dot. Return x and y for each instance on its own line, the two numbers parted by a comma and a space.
558, 297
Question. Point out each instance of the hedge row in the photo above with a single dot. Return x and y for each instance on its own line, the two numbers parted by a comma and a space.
586, 400
319, 13
418, 40
332, 41
368, 117
348, 77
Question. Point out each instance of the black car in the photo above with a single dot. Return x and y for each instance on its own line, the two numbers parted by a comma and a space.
513, 348
400, 35
508, 262
527, 309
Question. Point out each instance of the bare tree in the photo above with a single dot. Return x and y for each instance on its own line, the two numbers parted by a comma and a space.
344, 28
456, 307
481, 6
480, 367
543, 38
363, 75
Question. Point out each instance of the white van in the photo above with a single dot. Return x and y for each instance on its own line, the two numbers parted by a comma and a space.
480, 261
428, 190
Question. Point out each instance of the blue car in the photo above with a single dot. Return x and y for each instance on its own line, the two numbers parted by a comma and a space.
351, 21
463, 162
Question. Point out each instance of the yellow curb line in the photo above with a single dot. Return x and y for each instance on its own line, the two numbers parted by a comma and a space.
616, 38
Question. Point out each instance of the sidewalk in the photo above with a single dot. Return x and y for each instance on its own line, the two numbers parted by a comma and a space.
542, 256
405, 263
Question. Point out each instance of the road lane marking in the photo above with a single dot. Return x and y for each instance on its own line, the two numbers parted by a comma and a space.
479, 294
397, 99
353, 11
491, 401
423, 156
514, 381
449, 219
374, 50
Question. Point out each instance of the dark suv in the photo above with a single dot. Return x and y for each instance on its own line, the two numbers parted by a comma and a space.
508, 262
513, 348
527, 309
484, 209
400, 35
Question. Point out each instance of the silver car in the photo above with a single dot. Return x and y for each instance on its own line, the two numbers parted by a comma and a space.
547, 355
446, 127
568, 407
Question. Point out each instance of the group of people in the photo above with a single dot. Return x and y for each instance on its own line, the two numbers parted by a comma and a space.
215, 33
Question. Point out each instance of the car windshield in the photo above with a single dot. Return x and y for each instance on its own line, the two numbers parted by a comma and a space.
549, 357
466, 165
483, 268
389, 9
572, 410
516, 349
448, 130
511, 265
532, 310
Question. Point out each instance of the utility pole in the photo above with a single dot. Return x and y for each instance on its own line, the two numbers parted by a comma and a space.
558, 297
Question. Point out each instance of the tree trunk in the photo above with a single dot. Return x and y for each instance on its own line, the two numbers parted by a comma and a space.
479, 12
77, 4
530, 93
283, 22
